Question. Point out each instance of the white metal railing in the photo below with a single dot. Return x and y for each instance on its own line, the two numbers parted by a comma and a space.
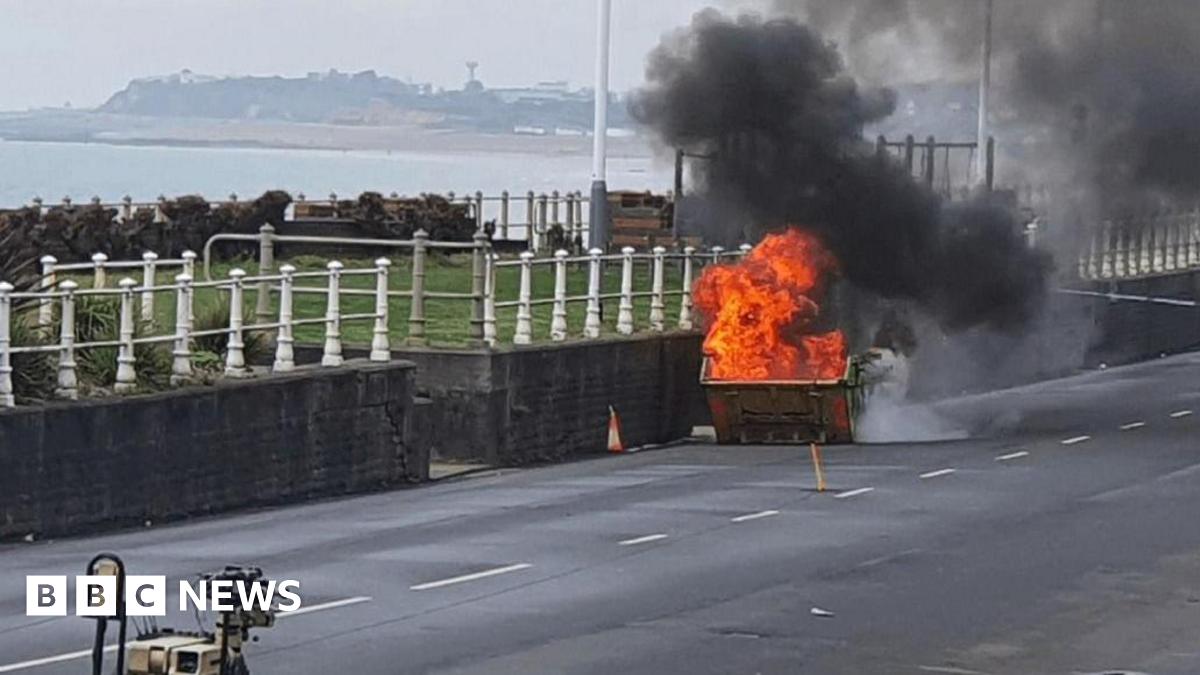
100, 265
688, 260
525, 217
419, 247
1160, 245
287, 282
67, 292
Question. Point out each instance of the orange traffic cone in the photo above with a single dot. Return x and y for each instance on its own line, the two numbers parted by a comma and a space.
614, 432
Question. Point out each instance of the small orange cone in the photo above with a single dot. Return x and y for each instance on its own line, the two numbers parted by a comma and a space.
614, 432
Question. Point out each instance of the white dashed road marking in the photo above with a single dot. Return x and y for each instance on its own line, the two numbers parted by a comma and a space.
70, 656
1132, 425
642, 540
853, 493
84, 653
1181, 413
1012, 455
937, 474
306, 609
470, 577
949, 670
1076, 439
753, 516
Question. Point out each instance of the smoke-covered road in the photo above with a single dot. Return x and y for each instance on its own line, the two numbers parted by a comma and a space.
1066, 542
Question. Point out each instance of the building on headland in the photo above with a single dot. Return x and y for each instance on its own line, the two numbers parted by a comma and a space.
366, 98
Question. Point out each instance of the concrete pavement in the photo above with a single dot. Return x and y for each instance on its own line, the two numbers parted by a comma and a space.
1060, 538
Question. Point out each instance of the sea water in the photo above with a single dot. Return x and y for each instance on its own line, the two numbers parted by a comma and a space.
83, 170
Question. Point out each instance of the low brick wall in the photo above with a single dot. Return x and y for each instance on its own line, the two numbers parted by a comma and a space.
1137, 330
1074, 333
516, 405
520, 405
71, 467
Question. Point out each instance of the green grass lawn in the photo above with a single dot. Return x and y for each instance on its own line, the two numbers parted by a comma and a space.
447, 320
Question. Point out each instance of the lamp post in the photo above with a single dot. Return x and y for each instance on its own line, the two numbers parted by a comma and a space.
598, 226
985, 86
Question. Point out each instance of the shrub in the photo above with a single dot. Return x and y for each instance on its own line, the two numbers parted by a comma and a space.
255, 344
34, 374
97, 319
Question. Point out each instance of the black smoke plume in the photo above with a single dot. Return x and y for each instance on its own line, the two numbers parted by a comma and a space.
769, 102
1107, 92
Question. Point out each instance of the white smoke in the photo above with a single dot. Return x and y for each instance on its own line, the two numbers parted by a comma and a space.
887, 417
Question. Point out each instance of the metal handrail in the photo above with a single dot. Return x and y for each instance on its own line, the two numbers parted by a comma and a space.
68, 291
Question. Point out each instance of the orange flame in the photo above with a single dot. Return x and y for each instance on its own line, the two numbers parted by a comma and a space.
761, 310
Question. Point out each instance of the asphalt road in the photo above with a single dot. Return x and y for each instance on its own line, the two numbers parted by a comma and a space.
1063, 537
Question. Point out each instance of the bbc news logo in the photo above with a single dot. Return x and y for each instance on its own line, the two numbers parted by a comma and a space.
46, 595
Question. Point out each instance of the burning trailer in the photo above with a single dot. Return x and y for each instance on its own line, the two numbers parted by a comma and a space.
771, 372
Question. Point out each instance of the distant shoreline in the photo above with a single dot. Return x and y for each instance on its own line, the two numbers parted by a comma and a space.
83, 128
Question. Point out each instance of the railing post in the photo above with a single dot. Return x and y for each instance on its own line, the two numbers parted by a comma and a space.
1194, 238
1121, 256
126, 360
126, 208
149, 263
189, 263
543, 219
524, 332
46, 304
1106, 251
531, 225
990, 175
504, 215
745, 249
67, 383
181, 365
591, 324
717, 252
658, 303
7, 400
333, 317
99, 275
625, 308
570, 226
579, 212
554, 204
1157, 260
381, 350
685, 298
1093, 268
930, 161
416, 316
479, 210
266, 267
1144, 246
558, 316
489, 302
1168, 231
1179, 227
160, 210
478, 271
285, 358
235, 355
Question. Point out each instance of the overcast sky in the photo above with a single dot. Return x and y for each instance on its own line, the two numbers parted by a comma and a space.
81, 51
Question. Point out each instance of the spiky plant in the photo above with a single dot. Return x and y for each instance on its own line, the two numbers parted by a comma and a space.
34, 373
215, 316
97, 319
